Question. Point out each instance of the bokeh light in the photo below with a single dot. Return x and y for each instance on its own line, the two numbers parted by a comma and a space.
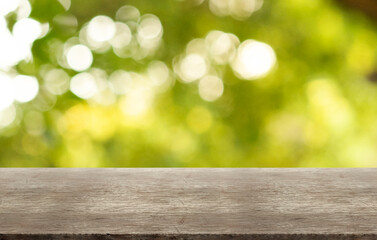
24, 9
238, 9
27, 30
8, 6
56, 81
83, 85
127, 13
79, 57
6, 91
136, 103
16, 46
149, 31
25, 88
7, 116
101, 29
254, 60
211, 88
120, 81
159, 73
65, 3
192, 67
221, 46
122, 37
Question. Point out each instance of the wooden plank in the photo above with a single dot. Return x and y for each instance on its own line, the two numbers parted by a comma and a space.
188, 203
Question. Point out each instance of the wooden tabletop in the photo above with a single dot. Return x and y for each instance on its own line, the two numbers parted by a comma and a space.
188, 203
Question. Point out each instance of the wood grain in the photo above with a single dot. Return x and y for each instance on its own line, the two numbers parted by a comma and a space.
188, 203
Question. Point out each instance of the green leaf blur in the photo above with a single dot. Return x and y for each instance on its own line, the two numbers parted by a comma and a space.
189, 83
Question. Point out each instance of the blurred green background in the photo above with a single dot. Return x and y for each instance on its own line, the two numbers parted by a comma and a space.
190, 83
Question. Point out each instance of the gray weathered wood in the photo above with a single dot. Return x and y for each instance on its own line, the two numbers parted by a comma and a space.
188, 203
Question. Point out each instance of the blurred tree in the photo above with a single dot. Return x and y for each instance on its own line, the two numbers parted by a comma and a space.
189, 83
369, 7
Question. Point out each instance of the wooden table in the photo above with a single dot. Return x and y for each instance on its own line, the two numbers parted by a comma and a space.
188, 203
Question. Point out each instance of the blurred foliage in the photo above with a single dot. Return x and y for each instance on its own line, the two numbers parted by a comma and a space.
314, 108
